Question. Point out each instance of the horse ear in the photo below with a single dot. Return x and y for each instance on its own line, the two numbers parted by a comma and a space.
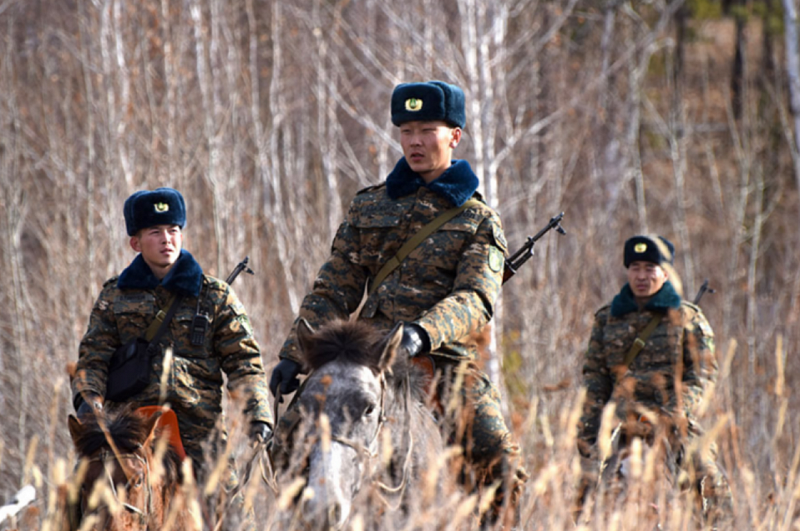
304, 335
389, 346
75, 428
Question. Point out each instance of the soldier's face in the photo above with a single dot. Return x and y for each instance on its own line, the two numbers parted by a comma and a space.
160, 246
646, 278
428, 146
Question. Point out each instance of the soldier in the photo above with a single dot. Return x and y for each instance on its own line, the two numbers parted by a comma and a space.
445, 289
664, 377
128, 304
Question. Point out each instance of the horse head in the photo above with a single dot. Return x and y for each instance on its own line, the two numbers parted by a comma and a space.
357, 387
120, 488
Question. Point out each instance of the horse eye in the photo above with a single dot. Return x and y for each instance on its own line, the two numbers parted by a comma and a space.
370, 410
137, 481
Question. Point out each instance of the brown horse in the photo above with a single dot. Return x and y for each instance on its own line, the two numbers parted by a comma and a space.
127, 481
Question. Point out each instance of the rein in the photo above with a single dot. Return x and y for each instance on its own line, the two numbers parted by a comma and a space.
381, 421
407, 463
372, 454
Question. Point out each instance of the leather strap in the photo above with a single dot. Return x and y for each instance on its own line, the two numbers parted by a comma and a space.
639, 342
395, 261
159, 324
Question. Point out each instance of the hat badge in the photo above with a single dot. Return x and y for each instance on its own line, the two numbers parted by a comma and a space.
161, 207
640, 247
413, 104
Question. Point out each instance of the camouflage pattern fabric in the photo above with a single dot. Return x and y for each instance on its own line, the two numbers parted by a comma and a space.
448, 285
680, 348
194, 382
668, 378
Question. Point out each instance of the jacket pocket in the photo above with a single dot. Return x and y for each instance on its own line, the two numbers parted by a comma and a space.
133, 314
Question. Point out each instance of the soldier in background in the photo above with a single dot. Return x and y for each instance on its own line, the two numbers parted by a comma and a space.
129, 303
444, 290
666, 377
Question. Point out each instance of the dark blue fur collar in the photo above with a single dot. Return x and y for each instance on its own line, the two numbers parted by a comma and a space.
456, 184
185, 277
665, 299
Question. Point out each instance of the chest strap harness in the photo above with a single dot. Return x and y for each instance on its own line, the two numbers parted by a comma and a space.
639, 342
410, 244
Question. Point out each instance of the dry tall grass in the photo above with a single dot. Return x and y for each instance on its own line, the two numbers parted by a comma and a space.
269, 115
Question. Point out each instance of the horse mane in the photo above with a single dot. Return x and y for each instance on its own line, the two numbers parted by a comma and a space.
359, 342
352, 341
128, 430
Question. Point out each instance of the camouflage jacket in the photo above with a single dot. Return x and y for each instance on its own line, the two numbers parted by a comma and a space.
129, 303
670, 373
448, 284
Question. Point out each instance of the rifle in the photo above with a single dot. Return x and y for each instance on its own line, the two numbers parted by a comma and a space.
241, 266
703, 288
524, 253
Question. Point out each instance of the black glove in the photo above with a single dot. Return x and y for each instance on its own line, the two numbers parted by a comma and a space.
415, 340
91, 405
285, 374
260, 431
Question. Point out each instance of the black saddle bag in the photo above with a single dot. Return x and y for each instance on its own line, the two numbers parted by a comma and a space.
130, 366
129, 370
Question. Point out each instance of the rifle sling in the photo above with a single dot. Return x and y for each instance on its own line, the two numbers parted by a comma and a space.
159, 324
639, 342
410, 244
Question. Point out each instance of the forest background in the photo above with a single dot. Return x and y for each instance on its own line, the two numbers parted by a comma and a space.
663, 116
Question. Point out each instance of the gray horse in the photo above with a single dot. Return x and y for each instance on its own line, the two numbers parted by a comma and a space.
361, 396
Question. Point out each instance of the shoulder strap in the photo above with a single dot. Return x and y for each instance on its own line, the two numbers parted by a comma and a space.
413, 242
639, 342
159, 324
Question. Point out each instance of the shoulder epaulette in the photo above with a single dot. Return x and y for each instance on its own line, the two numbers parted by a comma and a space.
112, 280
605, 307
214, 283
692, 305
371, 188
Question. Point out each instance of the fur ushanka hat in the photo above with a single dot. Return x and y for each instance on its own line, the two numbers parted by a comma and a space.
428, 101
146, 208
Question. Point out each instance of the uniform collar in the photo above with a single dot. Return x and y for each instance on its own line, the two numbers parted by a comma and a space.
185, 277
662, 301
456, 184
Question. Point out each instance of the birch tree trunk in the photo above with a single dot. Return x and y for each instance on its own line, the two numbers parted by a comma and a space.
793, 74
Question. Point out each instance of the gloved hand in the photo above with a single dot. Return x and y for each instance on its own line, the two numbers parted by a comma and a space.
415, 340
285, 374
260, 431
89, 405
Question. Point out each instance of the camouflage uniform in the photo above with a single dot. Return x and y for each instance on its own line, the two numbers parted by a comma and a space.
194, 384
448, 285
669, 375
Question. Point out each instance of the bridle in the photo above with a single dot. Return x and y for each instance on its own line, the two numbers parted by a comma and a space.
373, 454
360, 448
144, 513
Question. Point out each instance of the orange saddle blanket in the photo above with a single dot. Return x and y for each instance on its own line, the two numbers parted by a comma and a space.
167, 426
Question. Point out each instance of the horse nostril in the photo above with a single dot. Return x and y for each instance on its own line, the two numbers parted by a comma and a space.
335, 514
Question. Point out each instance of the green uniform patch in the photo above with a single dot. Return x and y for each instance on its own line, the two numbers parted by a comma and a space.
495, 259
